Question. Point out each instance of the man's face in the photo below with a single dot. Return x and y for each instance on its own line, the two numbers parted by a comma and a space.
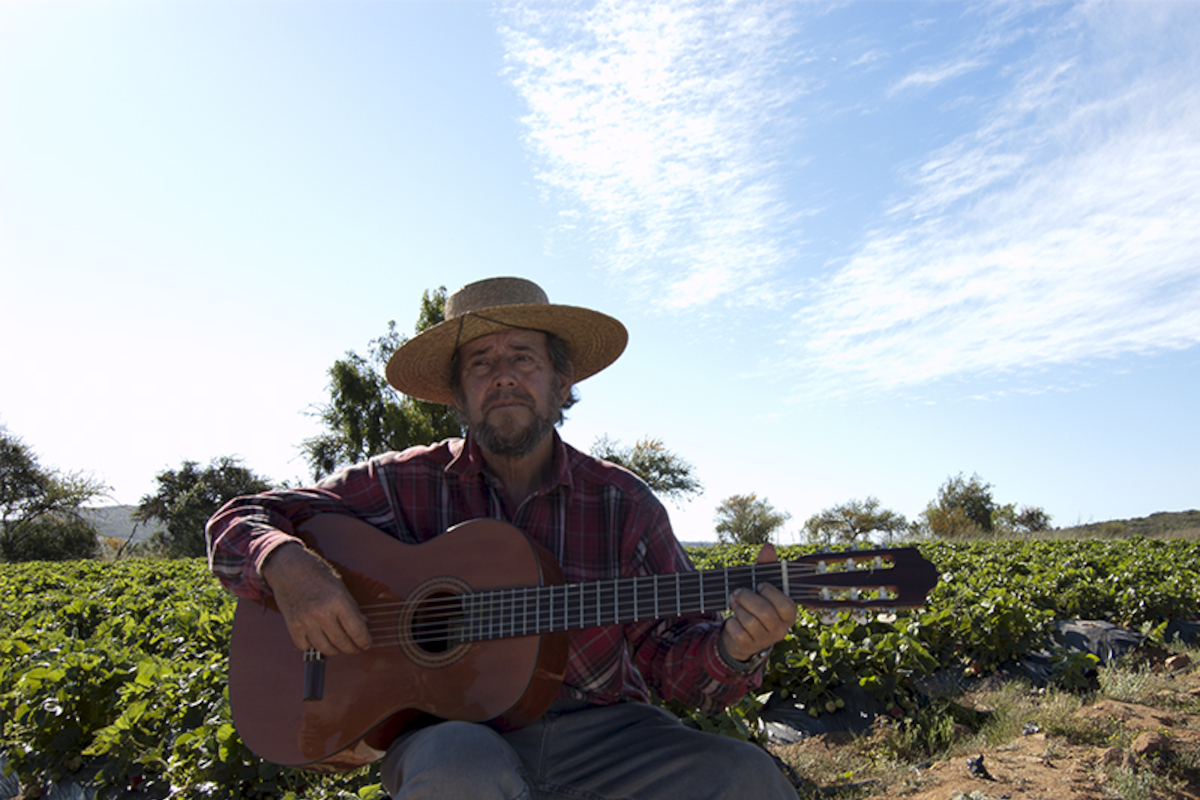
510, 394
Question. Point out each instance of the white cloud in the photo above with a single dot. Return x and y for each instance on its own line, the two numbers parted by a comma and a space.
661, 120
1065, 229
934, 76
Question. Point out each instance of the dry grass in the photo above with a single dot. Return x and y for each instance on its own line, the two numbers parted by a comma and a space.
893, 757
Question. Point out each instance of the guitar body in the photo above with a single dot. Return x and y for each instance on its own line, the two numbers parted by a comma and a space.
367, 699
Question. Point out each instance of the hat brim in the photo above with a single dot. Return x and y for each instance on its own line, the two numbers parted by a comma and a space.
421, 366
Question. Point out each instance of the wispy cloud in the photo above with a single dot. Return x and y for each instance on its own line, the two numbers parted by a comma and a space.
1065, 229
1062, 227
927, 77
662, 123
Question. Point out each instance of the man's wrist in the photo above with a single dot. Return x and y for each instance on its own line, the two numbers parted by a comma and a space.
272, 559
742, 667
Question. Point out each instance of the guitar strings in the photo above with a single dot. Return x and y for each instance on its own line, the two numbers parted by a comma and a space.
450, 631
520, 603
624, 588
515, 603
509, 613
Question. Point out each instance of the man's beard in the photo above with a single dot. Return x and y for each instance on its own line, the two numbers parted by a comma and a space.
519, 443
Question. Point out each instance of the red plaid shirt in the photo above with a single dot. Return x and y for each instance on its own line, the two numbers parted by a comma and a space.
597, 519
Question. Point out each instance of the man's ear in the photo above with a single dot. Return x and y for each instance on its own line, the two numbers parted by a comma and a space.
459, 404
564, 388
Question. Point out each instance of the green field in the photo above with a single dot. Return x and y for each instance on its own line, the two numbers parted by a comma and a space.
114, 673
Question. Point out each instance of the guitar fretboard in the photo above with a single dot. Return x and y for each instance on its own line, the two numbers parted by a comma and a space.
507, 613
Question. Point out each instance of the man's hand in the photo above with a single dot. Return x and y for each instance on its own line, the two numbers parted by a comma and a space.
316, 606
760, 619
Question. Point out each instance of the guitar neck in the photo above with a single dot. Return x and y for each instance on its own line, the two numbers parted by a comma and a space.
866, 580
506, 613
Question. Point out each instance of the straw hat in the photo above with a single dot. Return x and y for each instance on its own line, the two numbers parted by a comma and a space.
421, 367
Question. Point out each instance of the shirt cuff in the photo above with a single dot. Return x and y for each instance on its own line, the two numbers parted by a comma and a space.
741, 667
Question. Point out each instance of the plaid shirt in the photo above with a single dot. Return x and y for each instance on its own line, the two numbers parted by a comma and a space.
597, 519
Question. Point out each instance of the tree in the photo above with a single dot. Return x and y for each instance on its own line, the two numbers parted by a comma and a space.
745, 519
365, 415
1030, 519
664, 472
963, 507
852, 521
1033, 519
41, 510
966, 507
187, 497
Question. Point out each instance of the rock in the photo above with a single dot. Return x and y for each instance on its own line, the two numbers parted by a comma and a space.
1116, 757
1178, 662
977, 769
1148, 743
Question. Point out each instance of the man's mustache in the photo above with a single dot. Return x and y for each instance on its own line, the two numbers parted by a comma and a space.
504, 395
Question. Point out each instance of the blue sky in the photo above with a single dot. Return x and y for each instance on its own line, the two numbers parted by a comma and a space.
859, 247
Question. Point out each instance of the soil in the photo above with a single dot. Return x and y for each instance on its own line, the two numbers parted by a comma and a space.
1160, 760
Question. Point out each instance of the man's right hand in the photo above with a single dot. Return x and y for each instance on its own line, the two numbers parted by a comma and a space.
315, 604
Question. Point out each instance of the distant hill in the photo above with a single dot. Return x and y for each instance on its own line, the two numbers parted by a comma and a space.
117, 522
1163, 525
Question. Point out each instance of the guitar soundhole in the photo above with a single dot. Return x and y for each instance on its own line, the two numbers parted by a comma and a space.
438, 623
431, 623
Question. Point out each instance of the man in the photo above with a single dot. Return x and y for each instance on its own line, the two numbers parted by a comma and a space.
508, 360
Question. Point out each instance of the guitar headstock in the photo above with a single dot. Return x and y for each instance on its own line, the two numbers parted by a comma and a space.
861, 580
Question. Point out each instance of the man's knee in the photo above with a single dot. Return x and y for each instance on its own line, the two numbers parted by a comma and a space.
746, 766
452, 760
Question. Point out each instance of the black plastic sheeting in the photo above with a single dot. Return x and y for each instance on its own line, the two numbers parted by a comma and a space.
1183, 631
66, 790
1104, 640
785, 722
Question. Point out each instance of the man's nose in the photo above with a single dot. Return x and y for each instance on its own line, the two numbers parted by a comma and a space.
503, 373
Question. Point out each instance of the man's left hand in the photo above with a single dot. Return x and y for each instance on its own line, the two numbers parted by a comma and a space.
760, 619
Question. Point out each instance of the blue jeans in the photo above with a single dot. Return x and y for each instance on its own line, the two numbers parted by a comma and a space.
629, 751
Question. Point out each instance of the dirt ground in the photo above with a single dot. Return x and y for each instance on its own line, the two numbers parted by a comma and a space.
1159, 760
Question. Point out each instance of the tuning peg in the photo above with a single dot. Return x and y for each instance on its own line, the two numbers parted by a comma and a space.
861, 616
829, 617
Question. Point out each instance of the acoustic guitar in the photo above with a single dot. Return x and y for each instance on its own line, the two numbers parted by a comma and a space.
473, 625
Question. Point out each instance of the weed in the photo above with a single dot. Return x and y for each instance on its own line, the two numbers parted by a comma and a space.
1127, 685
1129, 783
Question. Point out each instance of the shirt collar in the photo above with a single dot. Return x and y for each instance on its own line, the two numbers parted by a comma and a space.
468, 461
